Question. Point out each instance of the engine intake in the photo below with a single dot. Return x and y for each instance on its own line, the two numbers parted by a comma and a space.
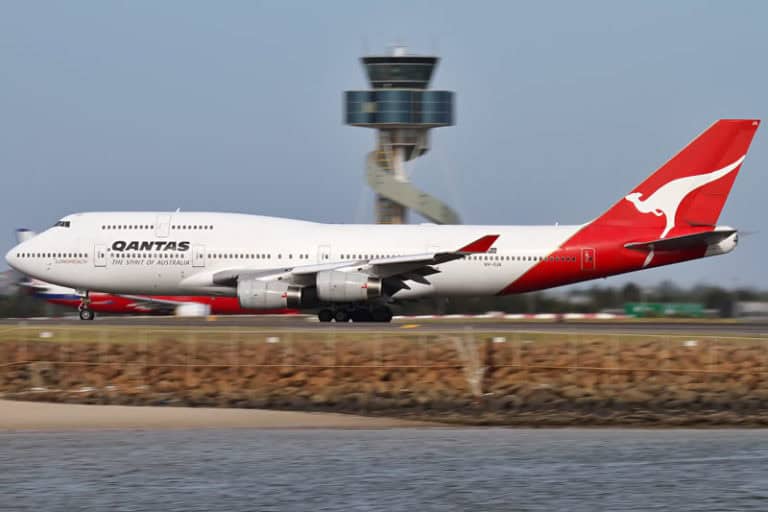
335, 286
255, 294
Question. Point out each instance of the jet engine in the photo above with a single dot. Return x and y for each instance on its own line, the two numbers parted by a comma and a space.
335, 286
255, 294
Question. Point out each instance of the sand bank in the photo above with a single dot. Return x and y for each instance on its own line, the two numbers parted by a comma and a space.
15, 415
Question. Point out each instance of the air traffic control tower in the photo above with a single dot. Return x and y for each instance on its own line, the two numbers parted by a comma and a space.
402, 110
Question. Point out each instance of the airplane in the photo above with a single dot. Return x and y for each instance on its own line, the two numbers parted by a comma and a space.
136, 304
354, 272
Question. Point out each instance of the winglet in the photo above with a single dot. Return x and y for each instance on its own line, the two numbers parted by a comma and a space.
480, 245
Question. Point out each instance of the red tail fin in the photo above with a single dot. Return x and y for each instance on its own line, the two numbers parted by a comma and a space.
690, 189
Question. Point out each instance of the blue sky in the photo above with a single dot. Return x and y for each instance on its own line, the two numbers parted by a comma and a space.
562, 107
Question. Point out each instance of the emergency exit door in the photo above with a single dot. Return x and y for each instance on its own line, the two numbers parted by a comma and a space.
163, 225
587, 259
99, 255
324, 254
198, 256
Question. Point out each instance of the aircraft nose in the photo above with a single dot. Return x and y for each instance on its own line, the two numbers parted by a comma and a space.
12, 257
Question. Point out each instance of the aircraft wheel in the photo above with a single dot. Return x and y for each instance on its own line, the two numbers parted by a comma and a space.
362, 315
325, 315
341, 316
382, 314
86, 314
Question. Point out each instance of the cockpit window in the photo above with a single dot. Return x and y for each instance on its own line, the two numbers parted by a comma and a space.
62, 224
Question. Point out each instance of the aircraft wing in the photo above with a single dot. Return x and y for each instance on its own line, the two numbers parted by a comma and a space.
153, 303
422, 263
152, 300
397, 269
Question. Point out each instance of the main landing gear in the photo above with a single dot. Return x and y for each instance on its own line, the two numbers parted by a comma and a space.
356, 314
86, 313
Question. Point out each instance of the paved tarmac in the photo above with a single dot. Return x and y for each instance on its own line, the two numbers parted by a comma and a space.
306, 323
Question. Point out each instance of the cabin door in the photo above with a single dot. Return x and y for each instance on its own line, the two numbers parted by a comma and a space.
99, 256
163, 225
324, 254
198, 256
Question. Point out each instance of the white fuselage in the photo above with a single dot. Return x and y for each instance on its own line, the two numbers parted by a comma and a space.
177, 253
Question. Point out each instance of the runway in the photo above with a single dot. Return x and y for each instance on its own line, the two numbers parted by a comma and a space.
300, 323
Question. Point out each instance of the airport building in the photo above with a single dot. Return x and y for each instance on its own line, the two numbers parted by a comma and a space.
402, 109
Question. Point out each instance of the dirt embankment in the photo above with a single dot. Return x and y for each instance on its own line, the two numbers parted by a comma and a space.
543, 379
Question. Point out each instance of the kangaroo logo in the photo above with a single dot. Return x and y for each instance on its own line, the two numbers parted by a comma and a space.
667, 198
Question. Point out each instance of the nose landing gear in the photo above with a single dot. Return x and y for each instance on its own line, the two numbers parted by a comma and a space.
86, 313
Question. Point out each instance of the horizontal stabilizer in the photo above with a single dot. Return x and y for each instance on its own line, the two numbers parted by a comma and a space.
683, 242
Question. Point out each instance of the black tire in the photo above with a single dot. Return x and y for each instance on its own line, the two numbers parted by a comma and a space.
341, 315
86, 314
382, 314
362, 315
325, 315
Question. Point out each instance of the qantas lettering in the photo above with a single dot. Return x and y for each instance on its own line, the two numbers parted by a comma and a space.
121, 245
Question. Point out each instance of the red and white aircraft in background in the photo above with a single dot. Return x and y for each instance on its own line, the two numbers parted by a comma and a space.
137, 304
144, 304
355, 271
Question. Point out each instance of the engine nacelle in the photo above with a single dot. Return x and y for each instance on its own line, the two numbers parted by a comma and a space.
335, 286
255, 294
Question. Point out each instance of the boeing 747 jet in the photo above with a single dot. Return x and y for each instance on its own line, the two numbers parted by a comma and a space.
356, 271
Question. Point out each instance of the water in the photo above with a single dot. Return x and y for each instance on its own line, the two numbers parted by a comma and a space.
399, 469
